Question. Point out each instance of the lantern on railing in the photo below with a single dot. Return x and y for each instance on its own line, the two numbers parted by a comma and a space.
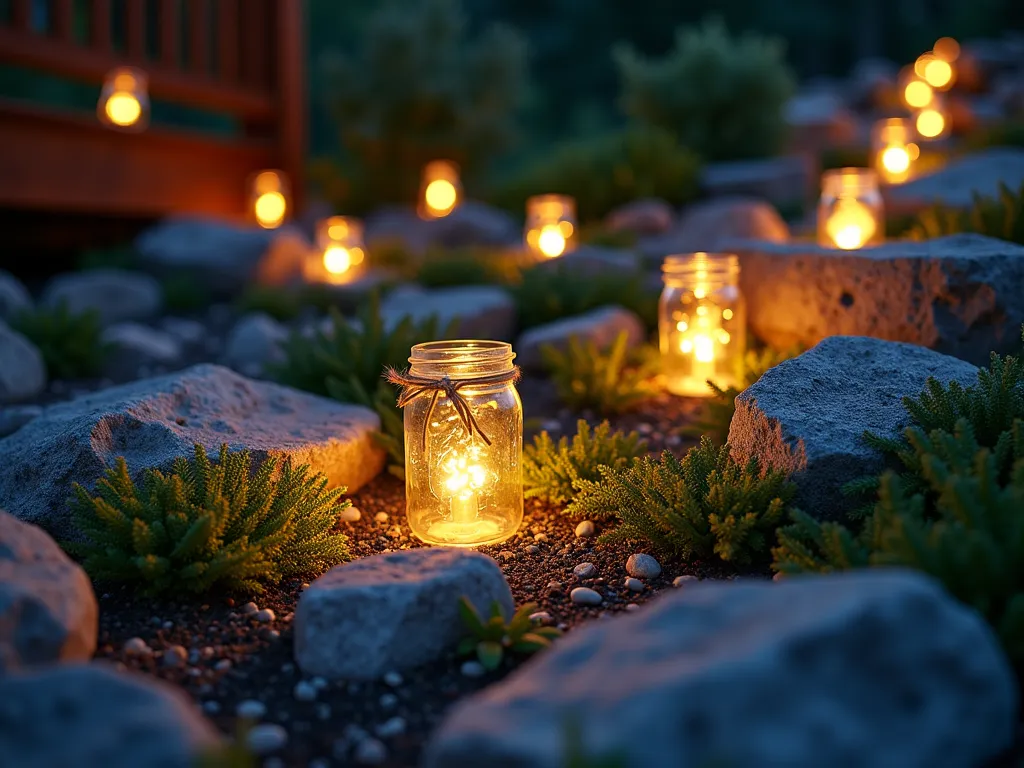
440, 190
269, 198
550, 229
933, 121
850, 212
893, 149
340, 252
701, 322
124, 99
463, 442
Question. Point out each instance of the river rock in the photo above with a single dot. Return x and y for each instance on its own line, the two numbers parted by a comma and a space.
134, 345
114, 294
22, 370
14, 296
256, 341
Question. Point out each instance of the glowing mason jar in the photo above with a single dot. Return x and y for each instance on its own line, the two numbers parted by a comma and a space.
550, 229
702, 323
440, 189
340, 252
124, 99
893, 148
463, 474
269, 198
850, 210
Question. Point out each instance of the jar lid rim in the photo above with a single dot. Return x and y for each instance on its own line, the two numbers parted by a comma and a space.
461, 351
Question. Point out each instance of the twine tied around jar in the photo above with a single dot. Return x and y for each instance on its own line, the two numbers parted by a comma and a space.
414, 386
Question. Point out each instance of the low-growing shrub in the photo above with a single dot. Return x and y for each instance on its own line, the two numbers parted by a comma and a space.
209, 524
588, 377
491, 639
1001, 217
72, 345
701, 505
551, 471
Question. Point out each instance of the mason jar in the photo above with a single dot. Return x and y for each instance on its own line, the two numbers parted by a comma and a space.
550, 225
463, 471
702, 323
850, 212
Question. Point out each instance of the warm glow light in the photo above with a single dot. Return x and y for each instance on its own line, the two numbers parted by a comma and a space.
270, 208
703, 348
440, 196
337, 230
566, 228
686, 345
850, 224
123, 109
947, 49
938, 73
337, 260
727, 314
922, 63
914, 151
917, 94
896, 160
931, 123
551, 241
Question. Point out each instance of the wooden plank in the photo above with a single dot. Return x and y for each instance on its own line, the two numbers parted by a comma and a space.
21, 14
290, 91
100, 38
135, 29
170, 33
256, 44
54, 161
62, 16
91, 66
227, 36
198, 37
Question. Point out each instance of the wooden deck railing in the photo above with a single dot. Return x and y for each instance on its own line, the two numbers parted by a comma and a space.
242, 58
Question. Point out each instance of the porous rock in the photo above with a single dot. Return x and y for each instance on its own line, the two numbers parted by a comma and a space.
878, 668
48, 612
90, 715
14, 297
152, 421
478, 311
392, 612
962, 295
22, 370
600, 326
113, 294
807, 415
256, 340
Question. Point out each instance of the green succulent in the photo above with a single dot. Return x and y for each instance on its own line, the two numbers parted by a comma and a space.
491, 638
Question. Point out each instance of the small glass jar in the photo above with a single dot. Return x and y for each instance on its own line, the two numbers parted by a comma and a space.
124, 99
550, 229
893, 148
440, 189
269, 198
850, 213
463, 485
340, 253
702, 323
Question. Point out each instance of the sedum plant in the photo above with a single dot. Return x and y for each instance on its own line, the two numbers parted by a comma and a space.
71, 344
207, 524
1001, 217
702, 505
721, 96
489, 640
552, 471
586, 376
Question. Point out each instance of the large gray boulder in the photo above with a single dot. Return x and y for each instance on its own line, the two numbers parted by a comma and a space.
478, 311
87, 716
955, 184
600, 326
22, 370
392, 612
48, 612
807, 415
256, 341
152, 421
14, 296
961, 295
114, 294
873, 668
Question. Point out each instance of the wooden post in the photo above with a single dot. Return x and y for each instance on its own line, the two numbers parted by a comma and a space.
227, 36
99, 26
135, 29
291, 90
198, 37
63, 20
170, 34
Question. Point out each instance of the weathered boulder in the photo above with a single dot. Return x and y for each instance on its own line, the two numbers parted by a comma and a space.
600, 326
114, 294
22, 370
478, 311
135, 346
256, 341
878, 668
83, 716
650, 216
392, 612
152, 421
48, 612
962, 295
807, 415
955, 184
14, 297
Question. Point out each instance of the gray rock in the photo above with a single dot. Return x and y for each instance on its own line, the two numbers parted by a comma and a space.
80, 716
134, 345
600, 326
955, 184
221, 257
807, 415
114, 294
393, 611
470, 224
879, 668
585, 530
184, 330
961, 295
22, 371
265, 738
479, 311
593, 261
643, 566
650, 216
818, 117
48, 611
585, 571
14, 417
14, 297
150, 422
256, 341
585, 596
783, 181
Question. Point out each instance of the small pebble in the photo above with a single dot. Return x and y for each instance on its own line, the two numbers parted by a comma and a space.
248, 608
541, 537
156, 621
305, 691
533, 549
223, 665
473, 669
250, 709
632, 607
370, 752
390, 728
634, 585
323, 711
393, 679
266, 737
211, 707
679, 581
555, 586
175, 657
168, 625
585, 530
506, 554
381, 517
270, 635
540, 617
319, 682
206, 653
778, 576
585, 570
136, 646
585, 596
643, 567
264, 616
350, 515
